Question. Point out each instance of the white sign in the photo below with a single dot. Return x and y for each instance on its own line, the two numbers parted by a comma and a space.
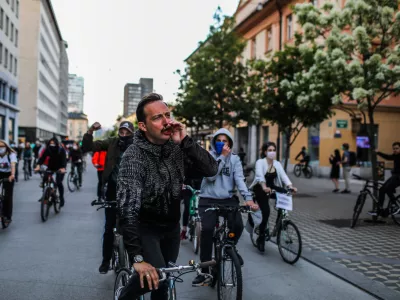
284, 201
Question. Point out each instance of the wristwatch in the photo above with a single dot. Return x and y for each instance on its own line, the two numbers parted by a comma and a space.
138, 259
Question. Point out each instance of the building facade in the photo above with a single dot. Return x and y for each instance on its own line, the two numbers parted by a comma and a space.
76, 93
9, 68
77, 125
134, 92
43, 79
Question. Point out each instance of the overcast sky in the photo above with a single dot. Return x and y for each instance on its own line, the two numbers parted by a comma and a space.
115, 42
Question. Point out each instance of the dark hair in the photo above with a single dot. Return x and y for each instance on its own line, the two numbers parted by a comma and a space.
396, 144
265, 147
337, 154
150, 98
303, 148
346, 146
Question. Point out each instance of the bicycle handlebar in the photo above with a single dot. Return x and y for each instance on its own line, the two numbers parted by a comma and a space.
104, 204
193, 266
242, 209
289, 192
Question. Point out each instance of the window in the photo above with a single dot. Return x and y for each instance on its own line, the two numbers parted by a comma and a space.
6, 58
12, 32
289, 27
253, 49
313, 142
3, 87
1, 53
11, 125
12, 5
15, 66
16, 37
12, 96
17, 10
2, 118
7, 24
11, 63
265, 134
269, 46
1, 18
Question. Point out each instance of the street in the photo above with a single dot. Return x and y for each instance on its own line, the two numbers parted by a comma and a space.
59, 259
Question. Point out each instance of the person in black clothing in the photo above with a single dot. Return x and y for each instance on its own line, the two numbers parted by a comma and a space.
115, 148
149, 192
335, 161
57, 163
305, 158
36, 150
242, 155
75, 155
389, 187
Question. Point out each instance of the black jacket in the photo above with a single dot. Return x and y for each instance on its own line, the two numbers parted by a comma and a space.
110, 145
75, 155
150, 182
396, 161
58, 158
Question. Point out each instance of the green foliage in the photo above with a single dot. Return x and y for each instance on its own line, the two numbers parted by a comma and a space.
213, 84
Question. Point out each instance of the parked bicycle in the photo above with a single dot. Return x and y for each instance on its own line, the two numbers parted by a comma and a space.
171, 275
392, 209
301, 168
227, 273
288, 235
194, 219
4, 224
73, 181
49, 196
119, 258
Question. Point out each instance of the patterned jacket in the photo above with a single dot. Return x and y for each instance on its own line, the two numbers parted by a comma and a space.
150, 182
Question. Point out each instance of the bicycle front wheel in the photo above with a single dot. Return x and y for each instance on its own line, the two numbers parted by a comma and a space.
196, 236
395, 210
121, 281
230, 281
45, 204
297, 170
357, 209
289, 242
71, 183
309, 172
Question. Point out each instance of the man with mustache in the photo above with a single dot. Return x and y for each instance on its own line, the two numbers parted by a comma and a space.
149, 191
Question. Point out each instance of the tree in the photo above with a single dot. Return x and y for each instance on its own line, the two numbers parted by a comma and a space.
286, 95
358, 51
214, 81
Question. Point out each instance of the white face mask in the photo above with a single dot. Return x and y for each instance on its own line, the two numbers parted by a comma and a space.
271, 155
3, 150
75, 148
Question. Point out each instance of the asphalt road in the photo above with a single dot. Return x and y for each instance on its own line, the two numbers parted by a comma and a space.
59, 259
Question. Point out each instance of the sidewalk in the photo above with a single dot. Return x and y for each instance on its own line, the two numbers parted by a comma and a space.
367, 256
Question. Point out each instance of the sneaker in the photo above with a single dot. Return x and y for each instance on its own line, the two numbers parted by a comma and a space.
104, 267
62, 202
261, 243
335, 190
200, 280
372, 213
345, 192
183, 235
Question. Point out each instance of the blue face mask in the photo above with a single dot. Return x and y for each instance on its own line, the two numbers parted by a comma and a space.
219, 146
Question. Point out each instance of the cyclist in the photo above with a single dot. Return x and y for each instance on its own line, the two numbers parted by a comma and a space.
149, 188
115, 148
220, 189
36, 150
99, 160
390, 185
270, 175
75, 155
8, 162
305, 159
27, 155
57, 162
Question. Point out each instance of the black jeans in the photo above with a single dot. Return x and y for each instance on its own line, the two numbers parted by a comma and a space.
79, 169
186, 195
160, 245
388, 188
99, 185
209, 220
59, 183
111, 221
8, 195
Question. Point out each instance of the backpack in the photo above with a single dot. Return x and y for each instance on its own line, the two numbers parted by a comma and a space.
352, 158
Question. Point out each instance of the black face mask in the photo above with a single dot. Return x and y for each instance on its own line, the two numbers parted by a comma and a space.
125, 142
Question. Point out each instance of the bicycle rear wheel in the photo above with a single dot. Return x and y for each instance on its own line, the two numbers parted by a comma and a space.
56, 203
45, 204
357, 209
289, 242
394, 208
297, 170
196, 236
230, 281
70, 182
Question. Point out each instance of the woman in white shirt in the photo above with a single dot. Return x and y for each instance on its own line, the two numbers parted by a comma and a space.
8, 160
270, 175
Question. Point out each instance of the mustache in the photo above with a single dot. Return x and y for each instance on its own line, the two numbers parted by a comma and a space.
167, 127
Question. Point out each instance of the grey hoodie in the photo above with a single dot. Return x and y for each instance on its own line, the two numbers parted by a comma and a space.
230, 175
